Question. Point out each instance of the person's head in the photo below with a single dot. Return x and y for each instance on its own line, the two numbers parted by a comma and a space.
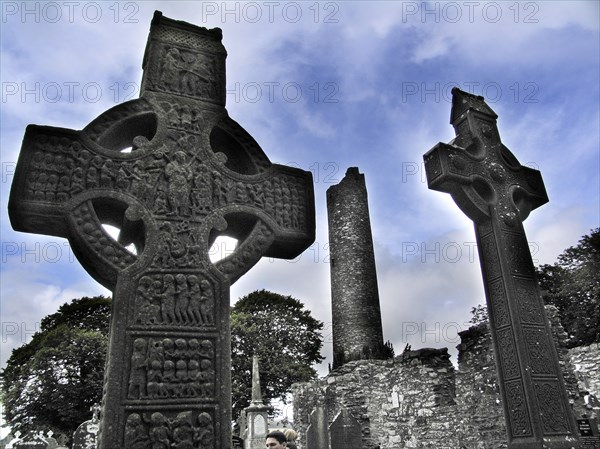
290, 434
275, 440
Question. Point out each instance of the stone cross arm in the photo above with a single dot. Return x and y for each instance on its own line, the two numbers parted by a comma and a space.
478, 170
173, 172
68, 183
495, 191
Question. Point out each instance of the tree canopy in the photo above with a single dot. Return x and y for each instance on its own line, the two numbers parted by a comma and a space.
572, 284
285, 337
51, 382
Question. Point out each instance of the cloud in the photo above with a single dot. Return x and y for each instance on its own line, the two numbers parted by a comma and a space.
393, 69
28, 295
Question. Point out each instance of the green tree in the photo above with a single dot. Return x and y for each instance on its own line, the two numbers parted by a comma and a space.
51, 382
572, 284
285, 337
479, 315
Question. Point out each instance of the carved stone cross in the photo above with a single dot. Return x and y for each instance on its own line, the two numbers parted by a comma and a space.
173, 172
495, 191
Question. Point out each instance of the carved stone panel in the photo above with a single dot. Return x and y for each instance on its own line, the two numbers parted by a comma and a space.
520, 424
555, 419
172, 172
490, 186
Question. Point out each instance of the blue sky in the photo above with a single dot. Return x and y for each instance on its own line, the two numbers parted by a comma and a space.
325, 86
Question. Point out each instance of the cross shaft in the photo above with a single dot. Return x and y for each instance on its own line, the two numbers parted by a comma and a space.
173, 172
492, 188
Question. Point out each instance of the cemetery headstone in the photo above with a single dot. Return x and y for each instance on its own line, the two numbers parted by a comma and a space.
494, 190
173, 171
317, 433
62, 441
86, 435
33, 440
14, 439
344, 431
50, 440
256, 414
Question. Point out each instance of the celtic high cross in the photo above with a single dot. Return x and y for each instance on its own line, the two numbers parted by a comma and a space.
495, 191
173, 172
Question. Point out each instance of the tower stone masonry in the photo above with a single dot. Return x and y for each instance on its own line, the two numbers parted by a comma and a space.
357, 329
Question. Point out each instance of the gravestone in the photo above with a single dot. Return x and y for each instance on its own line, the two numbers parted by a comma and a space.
495, 191
173, 172
344, 431
35, 440
12, 440
256, 414
62, 441
86, 435
50, 440
317, 433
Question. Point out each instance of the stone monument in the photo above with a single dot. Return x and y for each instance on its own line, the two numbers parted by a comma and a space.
35, 440
86, 435
257, 416
356, 315
317, 433
173, 172
494, 190
344, 431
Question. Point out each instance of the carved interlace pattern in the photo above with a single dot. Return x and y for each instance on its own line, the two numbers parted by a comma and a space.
499, 304
539, 351
508, 354
520, 425
192, 40
554, 418
530, 305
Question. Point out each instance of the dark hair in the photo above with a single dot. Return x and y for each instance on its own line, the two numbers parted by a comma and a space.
279, 436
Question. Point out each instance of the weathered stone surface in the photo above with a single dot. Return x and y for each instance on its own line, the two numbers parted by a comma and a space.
356, 314
586, 360
490, 186
86, 435
256, 414
420, 400
344, 431
395, 401
317, 432
35, 440
173, 172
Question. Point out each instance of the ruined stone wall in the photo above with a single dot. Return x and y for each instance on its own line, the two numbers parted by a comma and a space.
419, 399
397, 402
586, 363
477, 391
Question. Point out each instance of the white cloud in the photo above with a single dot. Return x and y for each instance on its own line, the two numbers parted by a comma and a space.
29, 293
370, 53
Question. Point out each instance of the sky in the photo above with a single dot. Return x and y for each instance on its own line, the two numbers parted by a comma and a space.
324, 86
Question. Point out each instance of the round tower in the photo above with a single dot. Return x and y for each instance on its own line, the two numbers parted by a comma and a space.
356, 315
